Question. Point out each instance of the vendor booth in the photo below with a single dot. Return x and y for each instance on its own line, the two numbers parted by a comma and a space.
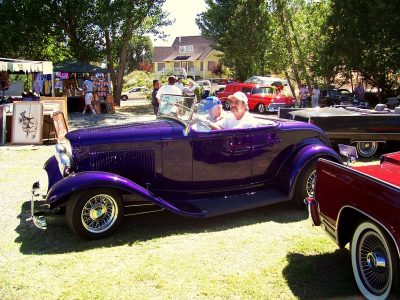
26, 116
69, 77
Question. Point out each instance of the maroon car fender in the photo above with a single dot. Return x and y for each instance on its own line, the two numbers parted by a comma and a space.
60, 192
295, 164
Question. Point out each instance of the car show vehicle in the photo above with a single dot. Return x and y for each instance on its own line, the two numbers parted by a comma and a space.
261, 97
101, 174
331, 97
367, 129
213, 85
268, 80
135, 93
360, 205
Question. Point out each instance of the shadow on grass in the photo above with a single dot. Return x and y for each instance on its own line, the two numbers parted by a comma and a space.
58, 238
322, 276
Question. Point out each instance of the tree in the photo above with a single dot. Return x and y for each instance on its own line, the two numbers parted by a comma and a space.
140, 51
365, 36
239, 29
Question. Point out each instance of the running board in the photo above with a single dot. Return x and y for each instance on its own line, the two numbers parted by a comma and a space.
233, 203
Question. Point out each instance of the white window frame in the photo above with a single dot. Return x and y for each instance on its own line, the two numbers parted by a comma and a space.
186, 48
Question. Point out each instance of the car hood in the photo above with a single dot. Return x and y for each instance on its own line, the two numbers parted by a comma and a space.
131, 132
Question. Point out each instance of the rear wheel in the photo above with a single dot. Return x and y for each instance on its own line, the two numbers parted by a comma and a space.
95, 213
261, 108
374, 261
124, 97
305, 184
367, 149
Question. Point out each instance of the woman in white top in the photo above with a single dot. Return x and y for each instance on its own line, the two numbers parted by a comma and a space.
315, 96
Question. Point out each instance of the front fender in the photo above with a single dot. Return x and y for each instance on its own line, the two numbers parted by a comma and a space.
60, 192
295, 165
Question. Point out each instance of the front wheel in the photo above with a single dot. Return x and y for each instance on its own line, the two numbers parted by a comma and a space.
261, 108
95, 213
367, 149
374, 261
124, 98
305, 183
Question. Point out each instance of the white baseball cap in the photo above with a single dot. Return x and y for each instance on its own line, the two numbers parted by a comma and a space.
239, 96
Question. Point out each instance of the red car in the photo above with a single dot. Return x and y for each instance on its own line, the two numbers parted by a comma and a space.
361, 206
261, 97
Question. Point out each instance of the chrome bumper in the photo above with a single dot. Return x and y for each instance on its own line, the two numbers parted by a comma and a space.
313, 210
37, 216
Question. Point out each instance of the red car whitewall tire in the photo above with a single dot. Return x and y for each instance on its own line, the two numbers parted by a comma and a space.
374, 261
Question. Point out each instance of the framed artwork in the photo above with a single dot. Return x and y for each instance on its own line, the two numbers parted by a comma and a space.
27, 123
62, 101
3, 127
60, 125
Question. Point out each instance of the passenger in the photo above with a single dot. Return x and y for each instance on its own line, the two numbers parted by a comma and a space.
215, 111
240, 117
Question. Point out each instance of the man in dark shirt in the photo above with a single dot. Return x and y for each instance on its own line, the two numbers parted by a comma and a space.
154, 101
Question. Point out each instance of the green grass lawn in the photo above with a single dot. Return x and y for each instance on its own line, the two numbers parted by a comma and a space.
268, 253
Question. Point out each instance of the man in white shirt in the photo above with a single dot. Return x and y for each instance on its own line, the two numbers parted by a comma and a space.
169, 89
240, 117
88, 90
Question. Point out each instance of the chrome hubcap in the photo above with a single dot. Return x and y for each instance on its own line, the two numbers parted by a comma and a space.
367, 149
99, 213
311, 184
373, 263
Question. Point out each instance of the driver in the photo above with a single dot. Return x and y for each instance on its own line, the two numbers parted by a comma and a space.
214, 107
240, 117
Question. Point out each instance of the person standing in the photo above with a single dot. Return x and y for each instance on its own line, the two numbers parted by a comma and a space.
303, 94
179, 84
190, 89
359, 92
315, 96
88, 91
154, 101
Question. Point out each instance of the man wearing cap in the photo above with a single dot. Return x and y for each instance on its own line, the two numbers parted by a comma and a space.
215, 112
240, 117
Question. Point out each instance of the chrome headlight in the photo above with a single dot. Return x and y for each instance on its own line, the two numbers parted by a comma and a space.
64, 157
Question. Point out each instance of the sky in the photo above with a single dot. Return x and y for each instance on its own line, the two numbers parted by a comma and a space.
184, 12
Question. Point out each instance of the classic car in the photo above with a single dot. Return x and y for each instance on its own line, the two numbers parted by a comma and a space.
135, 93
361, 206
331, 97
261, 97
213, 85
268, 80
101, 174
367, 129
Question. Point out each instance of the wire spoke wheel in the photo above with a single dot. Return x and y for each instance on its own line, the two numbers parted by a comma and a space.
373, 262
310, 184
99, 213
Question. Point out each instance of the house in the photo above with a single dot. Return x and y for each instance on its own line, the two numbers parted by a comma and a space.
189, 56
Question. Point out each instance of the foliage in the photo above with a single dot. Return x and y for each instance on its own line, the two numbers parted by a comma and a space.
140, 52
364, 36
239, 29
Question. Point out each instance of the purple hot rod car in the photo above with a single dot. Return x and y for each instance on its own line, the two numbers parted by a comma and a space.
99, 175
361, 205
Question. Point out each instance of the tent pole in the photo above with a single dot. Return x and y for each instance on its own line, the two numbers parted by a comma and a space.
53, 92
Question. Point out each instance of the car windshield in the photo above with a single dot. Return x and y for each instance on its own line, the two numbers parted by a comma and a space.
263, 90
176, 107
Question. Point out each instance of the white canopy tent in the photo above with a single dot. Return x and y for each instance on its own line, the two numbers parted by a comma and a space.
27, 66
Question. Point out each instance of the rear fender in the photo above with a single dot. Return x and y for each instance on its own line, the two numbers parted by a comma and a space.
294, 165
61, 191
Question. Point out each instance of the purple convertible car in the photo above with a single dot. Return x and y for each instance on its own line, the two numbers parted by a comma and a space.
100, 175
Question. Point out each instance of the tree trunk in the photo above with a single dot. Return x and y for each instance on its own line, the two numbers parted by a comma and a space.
120, 72
110, 63
290, 85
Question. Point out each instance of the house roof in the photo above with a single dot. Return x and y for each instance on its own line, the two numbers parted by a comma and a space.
201, 49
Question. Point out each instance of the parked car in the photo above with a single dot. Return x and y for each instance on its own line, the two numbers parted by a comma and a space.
261, 97
135, 93
99, 175
268, 80
331, 97
367, 129
361, 206
213, 85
